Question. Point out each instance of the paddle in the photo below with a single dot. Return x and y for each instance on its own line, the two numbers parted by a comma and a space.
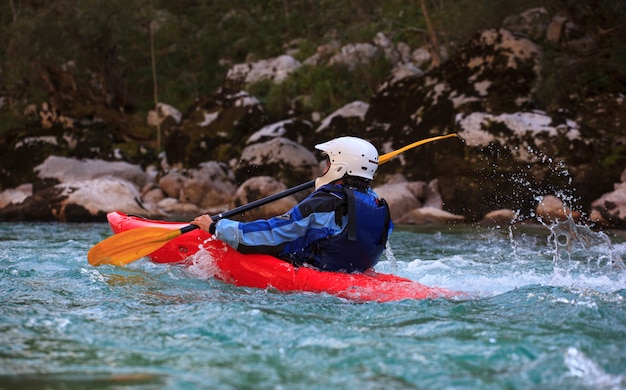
131, 245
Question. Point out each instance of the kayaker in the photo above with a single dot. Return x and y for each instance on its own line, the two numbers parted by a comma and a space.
341, 226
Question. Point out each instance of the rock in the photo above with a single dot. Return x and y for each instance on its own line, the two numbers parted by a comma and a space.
100, 196
502, 217
404, 70
532, 23
421, 57
403, 196
400, 197
172, 184
352, 55
432, 197
323, 53
209, 187
276, 70
64, 170
178, 210
152, 193
429, 215
551, 208
530, 132
25, 150
293, 129
163, 111
214, 129
387, 46
280, 158
610, 209
477, 78
566, 33
346, 117
15, 195
79, 201
257, 188
405, 52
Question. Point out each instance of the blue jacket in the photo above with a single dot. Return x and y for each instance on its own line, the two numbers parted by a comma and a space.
335, 229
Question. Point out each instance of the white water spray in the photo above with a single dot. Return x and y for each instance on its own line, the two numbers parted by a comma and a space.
390, 256
567, 237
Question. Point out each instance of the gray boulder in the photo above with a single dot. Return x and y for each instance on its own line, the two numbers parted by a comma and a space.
280, 158
79, 201
63, 170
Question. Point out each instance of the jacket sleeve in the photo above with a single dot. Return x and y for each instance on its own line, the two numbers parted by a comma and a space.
312, 219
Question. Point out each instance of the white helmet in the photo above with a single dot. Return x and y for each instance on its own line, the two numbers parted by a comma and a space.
348, 156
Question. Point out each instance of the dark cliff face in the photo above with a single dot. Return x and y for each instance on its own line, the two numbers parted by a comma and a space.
497, 73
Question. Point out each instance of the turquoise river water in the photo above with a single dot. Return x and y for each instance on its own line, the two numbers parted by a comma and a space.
546, 310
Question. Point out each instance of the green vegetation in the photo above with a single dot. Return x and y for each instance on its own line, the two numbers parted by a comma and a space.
321, 88
98, 52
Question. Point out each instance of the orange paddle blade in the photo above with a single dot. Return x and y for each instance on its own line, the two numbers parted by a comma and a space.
388, 156
128, 246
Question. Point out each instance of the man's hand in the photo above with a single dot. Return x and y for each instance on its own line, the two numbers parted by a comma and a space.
203, 222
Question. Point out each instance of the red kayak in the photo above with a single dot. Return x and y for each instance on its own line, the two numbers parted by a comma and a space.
264, 271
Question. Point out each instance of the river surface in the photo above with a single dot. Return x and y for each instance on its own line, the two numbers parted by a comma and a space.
546, 309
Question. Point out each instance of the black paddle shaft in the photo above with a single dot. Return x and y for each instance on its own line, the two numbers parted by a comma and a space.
257, 203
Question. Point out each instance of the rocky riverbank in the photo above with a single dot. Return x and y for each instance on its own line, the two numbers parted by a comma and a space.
512, 162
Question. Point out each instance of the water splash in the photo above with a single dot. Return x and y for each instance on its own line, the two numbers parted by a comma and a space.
562, 191
571, 240
202, 264
589, 372
390, 256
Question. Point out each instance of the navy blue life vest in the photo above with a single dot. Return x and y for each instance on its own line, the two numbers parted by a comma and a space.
359, 246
